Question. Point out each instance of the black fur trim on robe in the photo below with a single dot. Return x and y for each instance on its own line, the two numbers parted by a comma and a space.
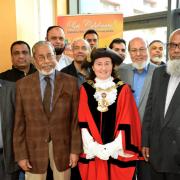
108, 118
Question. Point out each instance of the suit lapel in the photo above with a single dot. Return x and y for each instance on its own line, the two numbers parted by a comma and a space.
147, 82
162, 96
36, 88
174, 104
130, 77
58, 86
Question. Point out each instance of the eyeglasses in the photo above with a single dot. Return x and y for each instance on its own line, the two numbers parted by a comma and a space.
173, 45
141, 50
83, 48
48, 56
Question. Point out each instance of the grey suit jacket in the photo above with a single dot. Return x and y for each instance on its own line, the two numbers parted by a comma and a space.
7, 102
162, 134
126, 73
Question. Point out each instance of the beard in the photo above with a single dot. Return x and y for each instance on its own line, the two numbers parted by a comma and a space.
156, 59
173, 67
46, 73
139, 66
59, 51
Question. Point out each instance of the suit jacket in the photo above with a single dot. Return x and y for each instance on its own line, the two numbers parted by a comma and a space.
126, 74
162, 134
70, 69
7, 103
32, 127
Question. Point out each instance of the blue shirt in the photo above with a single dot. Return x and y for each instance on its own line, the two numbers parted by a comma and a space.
1, 141
43, 85
138, 83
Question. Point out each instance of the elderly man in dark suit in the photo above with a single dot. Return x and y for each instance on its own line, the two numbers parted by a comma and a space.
46, 125
161, 124
8, 167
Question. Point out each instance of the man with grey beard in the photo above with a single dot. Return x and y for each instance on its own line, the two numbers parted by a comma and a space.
46, 125
161, 124
138, 75
156, 52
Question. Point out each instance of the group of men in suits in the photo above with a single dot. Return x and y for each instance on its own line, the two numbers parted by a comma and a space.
39, 136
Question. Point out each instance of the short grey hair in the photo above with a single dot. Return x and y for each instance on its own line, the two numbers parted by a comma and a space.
41, 43
83, 40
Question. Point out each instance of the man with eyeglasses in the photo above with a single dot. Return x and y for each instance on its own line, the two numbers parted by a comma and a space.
21, 62
81, 52
46, 124
161, 124
138, 75
92, 37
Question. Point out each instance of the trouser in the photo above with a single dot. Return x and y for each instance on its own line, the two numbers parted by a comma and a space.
163, 176
57, 175
142, 171
4, 175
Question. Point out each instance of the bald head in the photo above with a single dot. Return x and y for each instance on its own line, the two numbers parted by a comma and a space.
138, 52
81, 50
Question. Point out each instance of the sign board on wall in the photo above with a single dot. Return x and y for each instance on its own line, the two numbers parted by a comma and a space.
108, 26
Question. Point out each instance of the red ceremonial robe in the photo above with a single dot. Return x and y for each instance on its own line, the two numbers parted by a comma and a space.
125, 118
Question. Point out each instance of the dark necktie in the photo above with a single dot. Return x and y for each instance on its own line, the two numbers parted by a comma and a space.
47, 96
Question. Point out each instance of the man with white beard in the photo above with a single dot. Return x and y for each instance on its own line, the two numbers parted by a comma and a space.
46, 124
138, 75
156, 52
161, 124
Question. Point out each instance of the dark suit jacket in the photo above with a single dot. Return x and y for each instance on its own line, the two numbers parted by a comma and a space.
162, 134
7, 103
70, 69
15, 74
32, 127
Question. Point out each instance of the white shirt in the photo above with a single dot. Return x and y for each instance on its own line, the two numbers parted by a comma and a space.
63, 62
172, 85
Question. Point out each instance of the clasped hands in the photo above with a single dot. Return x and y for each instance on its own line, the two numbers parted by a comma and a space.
93, 149
103, 152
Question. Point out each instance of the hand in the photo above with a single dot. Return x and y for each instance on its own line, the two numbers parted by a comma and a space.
73, 160
145, 152
115, 146
99, 151
126, 155
25, 164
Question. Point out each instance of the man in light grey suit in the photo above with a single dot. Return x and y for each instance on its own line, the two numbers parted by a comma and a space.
138, 75
8, 167
161, 124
